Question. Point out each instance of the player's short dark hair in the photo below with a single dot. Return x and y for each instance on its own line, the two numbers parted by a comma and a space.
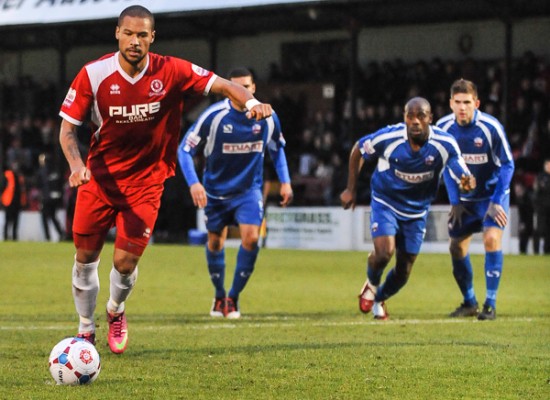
464, 86
240, 72
418, 101
139, 12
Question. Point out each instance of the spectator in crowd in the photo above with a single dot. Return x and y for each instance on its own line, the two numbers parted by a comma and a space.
524, 199
51, 190
307, 159
542, 205
383, 84
14, 199
20, 155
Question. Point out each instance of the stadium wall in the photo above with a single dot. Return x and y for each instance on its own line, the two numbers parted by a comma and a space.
409, 43
333, 228
314, 228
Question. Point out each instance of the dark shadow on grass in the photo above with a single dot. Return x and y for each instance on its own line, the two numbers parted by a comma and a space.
258, 349
204, 318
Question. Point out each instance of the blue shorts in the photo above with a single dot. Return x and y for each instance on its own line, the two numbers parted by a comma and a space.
409, 232
474, 220
247, 208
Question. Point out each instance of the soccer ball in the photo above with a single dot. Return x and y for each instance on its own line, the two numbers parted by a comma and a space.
74, 361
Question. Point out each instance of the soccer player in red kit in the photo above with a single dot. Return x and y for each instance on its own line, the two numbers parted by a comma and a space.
135, 100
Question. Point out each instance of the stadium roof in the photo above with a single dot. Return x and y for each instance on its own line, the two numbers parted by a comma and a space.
229, 18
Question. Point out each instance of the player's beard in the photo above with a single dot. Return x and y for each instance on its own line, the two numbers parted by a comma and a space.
133, 61
420, 138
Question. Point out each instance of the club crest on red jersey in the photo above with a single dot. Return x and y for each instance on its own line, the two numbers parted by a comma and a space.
157, 88
157, 85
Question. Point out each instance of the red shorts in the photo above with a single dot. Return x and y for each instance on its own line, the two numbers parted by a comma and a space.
132, 210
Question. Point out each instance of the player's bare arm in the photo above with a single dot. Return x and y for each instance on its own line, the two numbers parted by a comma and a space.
347, 197
242, 97
286, 193
69, 144
198, 194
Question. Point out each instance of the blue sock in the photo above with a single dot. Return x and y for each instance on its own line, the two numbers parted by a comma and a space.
463, 273
374, 275
493, 271
391, 286
216, 268
245, 265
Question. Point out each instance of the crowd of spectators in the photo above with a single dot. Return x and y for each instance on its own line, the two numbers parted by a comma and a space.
325, 138
319, 141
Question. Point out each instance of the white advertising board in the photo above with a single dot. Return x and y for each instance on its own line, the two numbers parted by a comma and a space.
332, 228
21, 12
316, 228
309, 228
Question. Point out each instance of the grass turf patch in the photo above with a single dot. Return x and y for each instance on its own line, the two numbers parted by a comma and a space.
301, 335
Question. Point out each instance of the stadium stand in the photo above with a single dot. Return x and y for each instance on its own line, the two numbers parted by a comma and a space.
319, 134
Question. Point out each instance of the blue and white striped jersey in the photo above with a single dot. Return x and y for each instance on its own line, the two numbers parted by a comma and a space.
234, 148
404, 180
487, 153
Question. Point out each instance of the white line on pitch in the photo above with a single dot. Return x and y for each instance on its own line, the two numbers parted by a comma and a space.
244, 323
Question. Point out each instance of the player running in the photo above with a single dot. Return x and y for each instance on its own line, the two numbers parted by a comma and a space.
485, 149
410, 159
135, 101
231, 192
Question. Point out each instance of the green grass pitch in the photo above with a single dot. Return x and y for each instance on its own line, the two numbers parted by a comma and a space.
301, 335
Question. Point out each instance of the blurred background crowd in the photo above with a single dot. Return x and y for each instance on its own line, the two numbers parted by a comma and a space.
318, 139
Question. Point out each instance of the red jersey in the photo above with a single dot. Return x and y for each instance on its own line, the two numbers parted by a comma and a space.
138, 119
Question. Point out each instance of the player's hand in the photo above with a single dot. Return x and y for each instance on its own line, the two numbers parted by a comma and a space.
286, 193
348, 199
260, 111
198, 194
456, 213
79, 176
497, 214
467, 183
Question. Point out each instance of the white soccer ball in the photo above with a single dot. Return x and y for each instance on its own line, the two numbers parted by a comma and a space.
74, 361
